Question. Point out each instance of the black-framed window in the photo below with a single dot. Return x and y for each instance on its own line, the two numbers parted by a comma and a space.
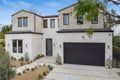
79, 19
14, 46
94, 20
52, 23
17, 46
19, 22
25, 21
65, 19
45, 24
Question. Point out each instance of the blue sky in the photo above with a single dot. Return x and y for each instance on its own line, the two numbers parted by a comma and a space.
44, 7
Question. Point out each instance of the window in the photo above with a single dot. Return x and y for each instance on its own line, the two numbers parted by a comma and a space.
79, 19
19, 22
25, 21
94, 20
65, 19
52, 23
17, 46
14, 46
44, 23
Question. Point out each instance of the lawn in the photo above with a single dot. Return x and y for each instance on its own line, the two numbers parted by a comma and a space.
31, 75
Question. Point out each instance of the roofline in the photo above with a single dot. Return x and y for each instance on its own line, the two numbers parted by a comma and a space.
49, 16
84, 30
67, 7
27, 12
23, 33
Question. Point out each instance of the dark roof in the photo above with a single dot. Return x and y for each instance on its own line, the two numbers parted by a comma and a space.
82, 30
27, 12
49, 16
67, 7
23, 32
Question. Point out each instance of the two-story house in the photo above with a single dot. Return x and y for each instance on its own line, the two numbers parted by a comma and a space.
61, 34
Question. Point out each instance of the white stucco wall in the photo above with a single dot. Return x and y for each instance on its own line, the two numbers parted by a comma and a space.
30, 45
51, 33
116, 30
98, 37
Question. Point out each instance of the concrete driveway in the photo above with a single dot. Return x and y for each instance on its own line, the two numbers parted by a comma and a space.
82, 72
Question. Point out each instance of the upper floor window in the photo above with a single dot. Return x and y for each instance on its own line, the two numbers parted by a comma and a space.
25, 21
17, 46
79, 19
44, 23
94, 20
52, 23
19, 22
66, 19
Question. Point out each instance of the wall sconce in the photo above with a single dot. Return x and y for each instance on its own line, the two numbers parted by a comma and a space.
26, 45
108, 47
60, 46
8, 45
83, 37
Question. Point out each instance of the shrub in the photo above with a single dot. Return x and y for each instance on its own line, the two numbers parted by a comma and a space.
45, 73
44, 65
32, 69
21, 59
21, 63
50, 68
19, 74
27, 69
40, 76
15, 59
2, 44
23, 71
58, 59
12, 57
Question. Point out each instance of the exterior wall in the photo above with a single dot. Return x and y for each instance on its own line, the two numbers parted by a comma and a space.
28, 44
98, 37
31, 18
50, 33
36, 45
116, 30
73, 21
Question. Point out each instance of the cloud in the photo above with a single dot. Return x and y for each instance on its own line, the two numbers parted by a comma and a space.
17, 4
51, 4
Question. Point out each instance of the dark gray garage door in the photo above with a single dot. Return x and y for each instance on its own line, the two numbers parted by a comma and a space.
84, 53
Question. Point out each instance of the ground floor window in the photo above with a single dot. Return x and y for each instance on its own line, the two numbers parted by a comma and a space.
17, 46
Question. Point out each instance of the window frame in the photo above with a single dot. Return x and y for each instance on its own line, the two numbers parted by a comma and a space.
20, 24
94, 21
51, 24
17, 46
45, 26
24, 23
64, 19
81, 22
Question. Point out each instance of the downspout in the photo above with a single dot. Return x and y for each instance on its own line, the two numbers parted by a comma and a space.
34, 23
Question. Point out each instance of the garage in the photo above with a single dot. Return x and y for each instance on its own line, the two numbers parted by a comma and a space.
84, 53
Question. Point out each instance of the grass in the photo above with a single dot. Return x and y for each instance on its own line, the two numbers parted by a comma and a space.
31, 75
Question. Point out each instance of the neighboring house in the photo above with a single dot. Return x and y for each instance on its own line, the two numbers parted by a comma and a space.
61, 34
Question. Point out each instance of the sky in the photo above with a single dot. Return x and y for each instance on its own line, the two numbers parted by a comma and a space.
43, 7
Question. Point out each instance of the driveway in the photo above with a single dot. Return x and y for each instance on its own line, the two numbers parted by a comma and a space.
82, 72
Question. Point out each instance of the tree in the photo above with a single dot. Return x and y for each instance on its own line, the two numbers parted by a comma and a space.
6, 28
6, 69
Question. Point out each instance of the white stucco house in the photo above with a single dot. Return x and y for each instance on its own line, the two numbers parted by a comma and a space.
61, 34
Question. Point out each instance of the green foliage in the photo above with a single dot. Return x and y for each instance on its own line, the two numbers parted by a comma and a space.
40, 76
33, 69
22, 63
50, 67
27, 69
2, 35
2, 43
39, 56
19, 74
89, 32
58, 59
44, 65
6, 28
21, 59
116, 48
45, 73
6, 69
88, 8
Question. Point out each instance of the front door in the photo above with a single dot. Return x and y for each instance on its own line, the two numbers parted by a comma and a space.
48, 47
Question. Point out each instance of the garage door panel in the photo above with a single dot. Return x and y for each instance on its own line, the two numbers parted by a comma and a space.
84, 53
